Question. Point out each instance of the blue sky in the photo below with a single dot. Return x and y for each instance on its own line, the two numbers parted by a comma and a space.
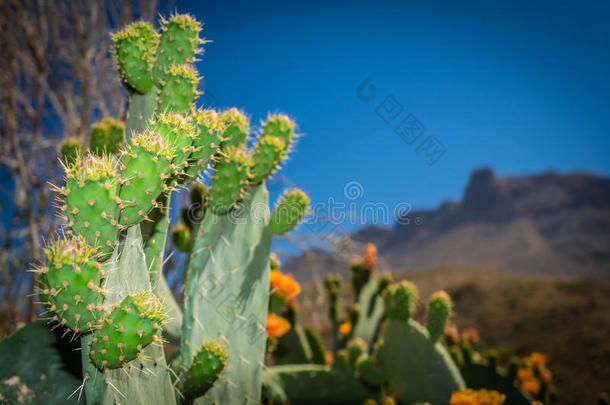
522, 87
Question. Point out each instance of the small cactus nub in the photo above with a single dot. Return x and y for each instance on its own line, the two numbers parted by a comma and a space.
439, 309
289, 211
70, 148
207, 365
400, 300
106, 136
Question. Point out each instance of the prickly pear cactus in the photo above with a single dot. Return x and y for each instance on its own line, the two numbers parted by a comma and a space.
107, 136
69, 284
207, 365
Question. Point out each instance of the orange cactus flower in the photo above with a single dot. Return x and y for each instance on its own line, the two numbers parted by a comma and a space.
536, 359
345, 328
471, 336
276, 326
284, 286
524, 374
531, 386
476, 397
328, 357
369, 261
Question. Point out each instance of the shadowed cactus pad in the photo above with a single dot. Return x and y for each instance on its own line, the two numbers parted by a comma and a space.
130, 327
229, 180
91, 201
289, 211
106, 136
400, 300
209, 132
179, 89
178, 45
266, 158
280, 126
370, 371
146, 166
439, 309
70, 284
135, 47
206, 367
237, 128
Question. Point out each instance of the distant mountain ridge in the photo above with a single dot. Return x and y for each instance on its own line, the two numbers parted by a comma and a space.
545, 224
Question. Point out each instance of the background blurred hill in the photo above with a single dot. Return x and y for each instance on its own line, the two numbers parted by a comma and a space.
556, 224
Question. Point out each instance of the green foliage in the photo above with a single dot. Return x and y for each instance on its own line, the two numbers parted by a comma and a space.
237, 128
229, 181
179, 89
280, 126
210, 129
106, 136
267, 156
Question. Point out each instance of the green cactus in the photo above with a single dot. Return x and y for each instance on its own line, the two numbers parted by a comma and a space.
400, 300
106, 136
130, 327
210, 130
178, 45
206, 367
439, 309
178, 132
289, 211
318, 353
146, 167
179, 89
69, 149
281, 127
267, 156
372, 311
237, 128
229, 181
92, 207
69, 284
135, 47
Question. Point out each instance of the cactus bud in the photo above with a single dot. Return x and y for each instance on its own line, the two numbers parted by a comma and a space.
135, 47
106, 136
400, 300
289, 211
69, 150
439, 309
128, 329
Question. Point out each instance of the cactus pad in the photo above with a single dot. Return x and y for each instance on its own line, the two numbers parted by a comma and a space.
178, 132
400, 300
70, 148
439, 309
280, 126
135, 47
178, 45
179, 89
91, 201
70, 284
370, 371
209, 132
266, 158
289, 211
106, 136
146, 166
237, 128
229, 180
206, 367
128, 329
